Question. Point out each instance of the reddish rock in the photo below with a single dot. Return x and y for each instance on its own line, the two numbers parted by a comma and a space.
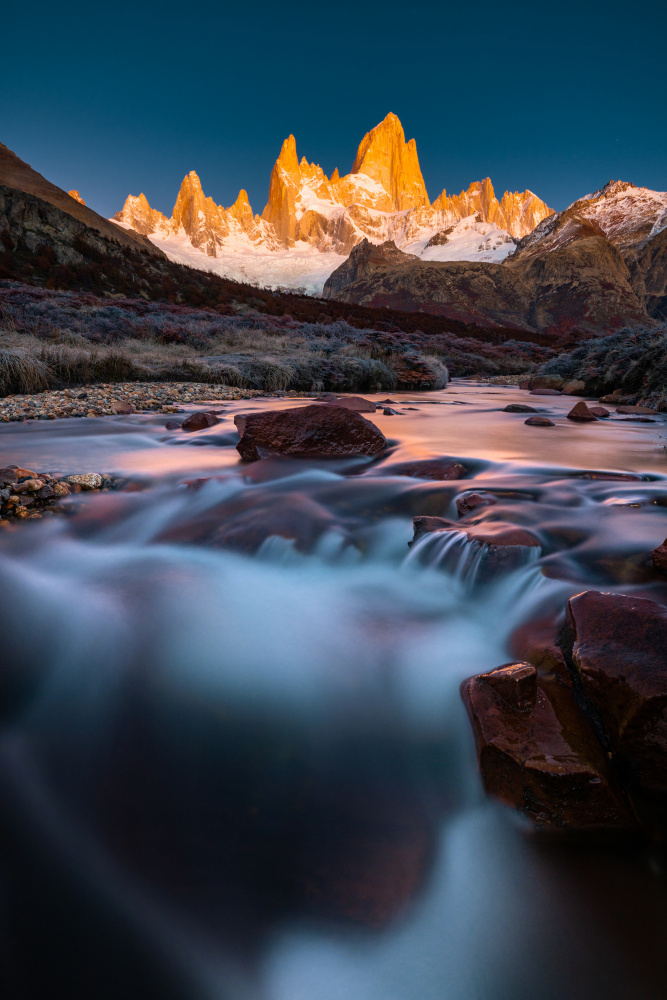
539, 422
437, 469
519, 408
581, 412
173, 425
120, 406
536, 752
525, 384
357, 403
199, 421
618, 646
599, 411
545, 392
466, 504
494, 533
315, 431
644, 411
659, 556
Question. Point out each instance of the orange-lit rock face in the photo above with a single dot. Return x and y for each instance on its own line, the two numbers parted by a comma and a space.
517, 212
383, 197
385, 157
77, 197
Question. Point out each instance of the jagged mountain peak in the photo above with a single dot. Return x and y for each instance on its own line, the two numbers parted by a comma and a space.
383, 198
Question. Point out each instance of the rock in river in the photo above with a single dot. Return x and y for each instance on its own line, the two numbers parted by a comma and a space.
317, 431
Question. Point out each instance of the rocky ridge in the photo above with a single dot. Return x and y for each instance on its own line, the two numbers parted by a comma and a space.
598, 266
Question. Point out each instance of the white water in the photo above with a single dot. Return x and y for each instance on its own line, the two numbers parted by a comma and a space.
250, 775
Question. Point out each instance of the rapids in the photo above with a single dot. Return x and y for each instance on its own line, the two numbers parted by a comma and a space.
234, 765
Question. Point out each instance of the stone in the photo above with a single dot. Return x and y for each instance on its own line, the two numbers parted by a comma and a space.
659, 557
539, 422
617, 648
496, 533
199, 421
173, 425
519, 408
472, 501
536, 752
545, 392
436, 469
581, 413
24, 473
47, 492
86, 481
8, 476
644, 411
315, 431
29, 486
388, 412
574, 388
546, 382
120, 406
60, 489
598, 411
357, 403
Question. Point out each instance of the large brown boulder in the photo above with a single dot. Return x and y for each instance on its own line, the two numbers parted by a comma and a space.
617, 649
536, 752
317, 431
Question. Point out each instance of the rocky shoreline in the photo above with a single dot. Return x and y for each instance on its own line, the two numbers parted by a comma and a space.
108, 399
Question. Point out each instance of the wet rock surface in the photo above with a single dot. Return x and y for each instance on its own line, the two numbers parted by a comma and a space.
323, 431
595, 733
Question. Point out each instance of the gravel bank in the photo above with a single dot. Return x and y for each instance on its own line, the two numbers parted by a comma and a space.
119, 397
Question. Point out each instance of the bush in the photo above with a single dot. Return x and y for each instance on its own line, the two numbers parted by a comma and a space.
21, 373
634, 361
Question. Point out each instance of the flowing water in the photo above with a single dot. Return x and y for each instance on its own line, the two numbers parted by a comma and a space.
234, 762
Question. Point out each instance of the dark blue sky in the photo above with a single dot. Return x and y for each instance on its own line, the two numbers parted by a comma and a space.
129, 96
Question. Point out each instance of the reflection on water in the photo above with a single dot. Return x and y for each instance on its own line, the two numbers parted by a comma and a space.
233, 759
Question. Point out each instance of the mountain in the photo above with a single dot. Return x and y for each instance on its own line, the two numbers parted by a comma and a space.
16, 175
596, 267
311, 222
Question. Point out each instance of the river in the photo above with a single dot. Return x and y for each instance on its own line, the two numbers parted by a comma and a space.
235, 765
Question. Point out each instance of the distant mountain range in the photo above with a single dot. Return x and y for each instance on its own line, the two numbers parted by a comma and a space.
311, 222
594, 268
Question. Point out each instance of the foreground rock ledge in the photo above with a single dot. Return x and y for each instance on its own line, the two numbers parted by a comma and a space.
315, 431
581, 742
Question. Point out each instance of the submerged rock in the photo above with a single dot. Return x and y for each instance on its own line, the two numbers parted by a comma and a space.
539, 422
519, 408
315, 431
437, 469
